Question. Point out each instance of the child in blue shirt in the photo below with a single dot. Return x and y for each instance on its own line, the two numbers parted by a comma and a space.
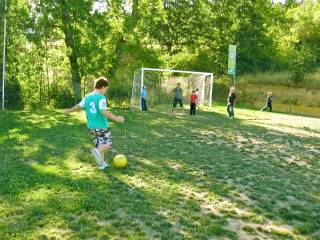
144, 94
97, 120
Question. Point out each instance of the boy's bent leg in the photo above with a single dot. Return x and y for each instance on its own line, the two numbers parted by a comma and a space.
97, 156
105, 141
102, 141
103, 148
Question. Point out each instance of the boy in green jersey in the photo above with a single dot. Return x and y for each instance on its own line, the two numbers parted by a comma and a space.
97, 119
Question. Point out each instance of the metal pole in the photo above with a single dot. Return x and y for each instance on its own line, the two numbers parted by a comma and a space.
142, 80
203, 90
4, 52
133, 89
211, 89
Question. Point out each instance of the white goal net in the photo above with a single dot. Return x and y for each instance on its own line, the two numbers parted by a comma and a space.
160, 83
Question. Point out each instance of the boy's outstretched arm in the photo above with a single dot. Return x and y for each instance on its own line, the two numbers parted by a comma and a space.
73, 109
112, 117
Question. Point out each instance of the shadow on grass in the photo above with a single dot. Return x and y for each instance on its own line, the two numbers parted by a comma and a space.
57, 206
187, 177
278, 174
44, 198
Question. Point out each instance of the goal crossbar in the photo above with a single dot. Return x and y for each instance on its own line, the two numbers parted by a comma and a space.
174, 70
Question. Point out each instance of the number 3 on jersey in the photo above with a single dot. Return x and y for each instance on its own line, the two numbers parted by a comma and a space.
93, 109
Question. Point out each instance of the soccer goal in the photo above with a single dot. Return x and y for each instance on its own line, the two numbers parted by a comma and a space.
161, 82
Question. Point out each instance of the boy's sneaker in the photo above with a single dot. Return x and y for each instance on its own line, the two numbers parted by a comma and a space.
96, 154
103, 165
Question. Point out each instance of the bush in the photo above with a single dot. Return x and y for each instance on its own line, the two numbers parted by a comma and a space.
61, 96
119, 94
304, 61
33, 102
12, 96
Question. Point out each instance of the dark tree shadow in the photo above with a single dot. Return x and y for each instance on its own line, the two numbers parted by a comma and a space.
200, 161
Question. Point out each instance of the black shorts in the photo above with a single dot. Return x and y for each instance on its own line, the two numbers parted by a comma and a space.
101, 136
177, 100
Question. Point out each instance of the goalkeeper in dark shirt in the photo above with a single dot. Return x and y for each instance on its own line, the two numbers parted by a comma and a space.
268, 103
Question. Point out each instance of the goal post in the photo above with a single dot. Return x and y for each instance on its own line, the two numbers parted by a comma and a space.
160, 83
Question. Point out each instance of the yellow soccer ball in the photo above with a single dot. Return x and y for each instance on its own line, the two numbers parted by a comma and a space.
120, 161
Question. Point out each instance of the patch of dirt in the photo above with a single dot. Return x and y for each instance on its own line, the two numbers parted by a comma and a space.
176, 166
237, 226
150, 232
103, 223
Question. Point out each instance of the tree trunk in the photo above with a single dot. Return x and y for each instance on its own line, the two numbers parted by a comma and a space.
47, 72
75, 75
72, 53
290, 104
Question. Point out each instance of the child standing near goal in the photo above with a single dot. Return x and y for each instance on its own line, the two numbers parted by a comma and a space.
193, 102
144, 94
97, 120
231, 101
177, 91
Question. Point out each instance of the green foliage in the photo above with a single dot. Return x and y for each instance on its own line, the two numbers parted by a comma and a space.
13, 96
119, 94
306, 26
304, 60
51, 42
61, 96
199, 60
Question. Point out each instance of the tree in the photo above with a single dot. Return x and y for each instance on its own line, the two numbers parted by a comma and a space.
63, 18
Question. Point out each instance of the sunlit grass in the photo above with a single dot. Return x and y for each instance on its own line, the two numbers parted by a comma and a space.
311, 79
252, 89
202, 177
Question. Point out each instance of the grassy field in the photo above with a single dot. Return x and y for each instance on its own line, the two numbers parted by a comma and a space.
252, 90
310, 81
205, 177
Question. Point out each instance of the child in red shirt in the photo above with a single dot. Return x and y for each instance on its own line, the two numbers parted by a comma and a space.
193, 102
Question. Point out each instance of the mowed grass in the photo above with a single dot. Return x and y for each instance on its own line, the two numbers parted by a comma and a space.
204, 177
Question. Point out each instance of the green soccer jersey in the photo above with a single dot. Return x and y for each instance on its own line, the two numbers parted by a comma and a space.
93, 104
